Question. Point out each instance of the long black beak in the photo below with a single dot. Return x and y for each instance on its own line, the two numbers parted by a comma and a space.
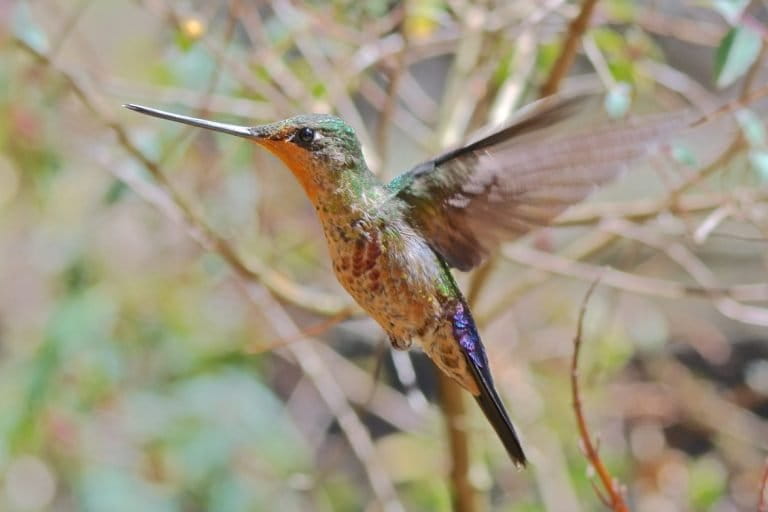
232, 129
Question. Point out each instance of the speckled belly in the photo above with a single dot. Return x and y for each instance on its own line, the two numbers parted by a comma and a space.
396, 283
400, 297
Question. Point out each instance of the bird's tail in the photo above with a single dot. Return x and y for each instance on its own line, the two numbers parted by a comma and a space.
491, 405
465, 333
488, 399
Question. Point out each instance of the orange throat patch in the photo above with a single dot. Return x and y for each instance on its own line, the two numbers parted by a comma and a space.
297, 160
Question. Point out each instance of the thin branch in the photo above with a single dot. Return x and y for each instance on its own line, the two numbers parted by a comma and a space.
762, 502
626, 281
464, 494
614, 497
384, 125
648, 208
581, 248
67, 29
563, 63
695, 31
310, 331
680, 254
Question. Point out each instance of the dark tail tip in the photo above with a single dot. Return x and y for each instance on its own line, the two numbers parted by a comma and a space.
501, 423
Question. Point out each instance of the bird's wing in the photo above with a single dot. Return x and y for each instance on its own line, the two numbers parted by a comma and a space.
468, 200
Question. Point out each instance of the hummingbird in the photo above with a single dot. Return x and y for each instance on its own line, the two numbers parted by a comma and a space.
393, 245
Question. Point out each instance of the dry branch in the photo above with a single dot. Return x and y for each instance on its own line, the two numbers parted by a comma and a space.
762, 502
463, 493
570, 45
614, 498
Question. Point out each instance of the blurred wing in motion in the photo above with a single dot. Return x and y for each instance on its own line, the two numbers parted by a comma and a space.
466, 201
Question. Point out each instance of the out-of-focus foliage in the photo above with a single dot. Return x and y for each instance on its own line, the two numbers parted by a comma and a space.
139, 372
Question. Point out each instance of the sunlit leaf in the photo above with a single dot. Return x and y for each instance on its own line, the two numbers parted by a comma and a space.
735, 54
752, 127
759, 160
684, 155
707, 482
618, 100
25, 28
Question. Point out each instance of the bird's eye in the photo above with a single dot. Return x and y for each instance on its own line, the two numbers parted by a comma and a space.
306, 135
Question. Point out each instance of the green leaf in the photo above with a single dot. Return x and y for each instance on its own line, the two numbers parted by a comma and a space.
707, 482
115, 192
735, 54
25, 28
752, 127
621, 10
759, 160
684, 155
611, 42
618, 100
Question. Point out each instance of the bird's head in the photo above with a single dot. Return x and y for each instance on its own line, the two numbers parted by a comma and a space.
321, 150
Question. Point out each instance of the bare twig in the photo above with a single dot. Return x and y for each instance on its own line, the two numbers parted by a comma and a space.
571, 44
384, 125
452, 404
680, 254
647, 208
694, 31
614, 498
762, 501
582, 248
627, 281
306, 332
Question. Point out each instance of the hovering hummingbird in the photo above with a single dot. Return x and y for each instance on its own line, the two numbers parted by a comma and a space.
393, 245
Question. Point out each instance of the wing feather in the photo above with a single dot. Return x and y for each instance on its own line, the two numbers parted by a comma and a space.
466, 201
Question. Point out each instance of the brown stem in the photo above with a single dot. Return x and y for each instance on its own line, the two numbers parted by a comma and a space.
384, 124
464, 495
563, 63
762, 503
614, 497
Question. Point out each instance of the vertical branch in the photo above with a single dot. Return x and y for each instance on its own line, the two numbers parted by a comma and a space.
563, 63
463, 493
762, 502
384, 124
614, 498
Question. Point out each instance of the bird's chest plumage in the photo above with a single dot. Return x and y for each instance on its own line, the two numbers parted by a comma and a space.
396, 277
391, 272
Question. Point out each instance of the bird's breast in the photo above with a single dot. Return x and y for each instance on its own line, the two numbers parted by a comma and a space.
391, 272
396, 277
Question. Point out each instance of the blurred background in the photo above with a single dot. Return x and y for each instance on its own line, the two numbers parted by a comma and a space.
172, 337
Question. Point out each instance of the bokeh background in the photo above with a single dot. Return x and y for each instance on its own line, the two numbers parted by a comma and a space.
172, 337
